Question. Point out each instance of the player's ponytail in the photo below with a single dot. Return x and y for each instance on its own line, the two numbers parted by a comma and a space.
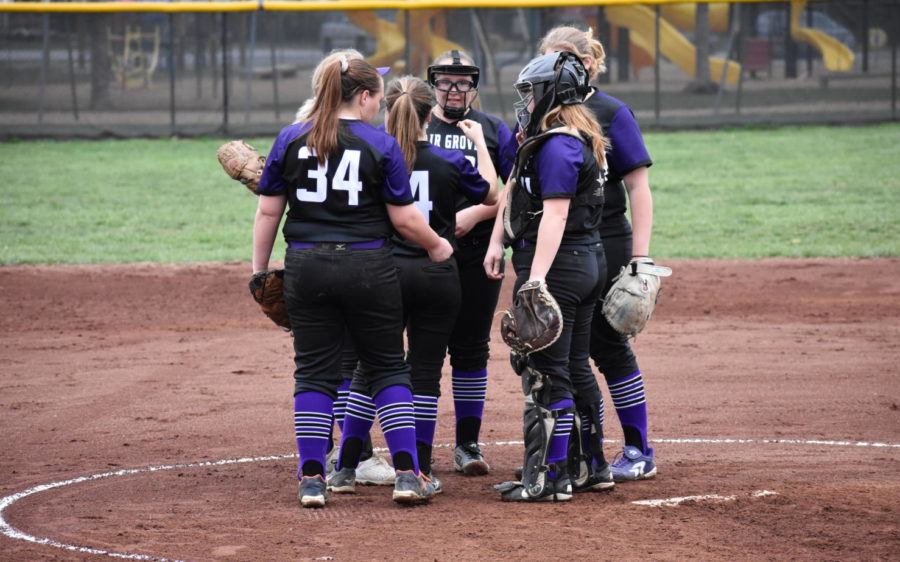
340, 80
408, 102
582, 43
579, 117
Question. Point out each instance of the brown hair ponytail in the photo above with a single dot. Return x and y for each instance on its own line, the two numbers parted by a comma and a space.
582, 43
340, 79
408, 103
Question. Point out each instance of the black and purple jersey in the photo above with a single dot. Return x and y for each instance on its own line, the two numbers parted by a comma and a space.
344, 199
438, 179
564, 167
501, 145
627, 153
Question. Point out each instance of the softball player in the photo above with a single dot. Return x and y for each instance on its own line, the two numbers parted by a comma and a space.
563, 175
454, 78
622, 242
373, 469
345, 184
431, 292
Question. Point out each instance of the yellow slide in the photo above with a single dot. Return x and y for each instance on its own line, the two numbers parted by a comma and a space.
640, 21
836, 56
426, 43
683, 16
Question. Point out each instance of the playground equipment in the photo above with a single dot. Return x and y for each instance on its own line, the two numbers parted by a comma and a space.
836, 56
641, 23
427, 29
135, 56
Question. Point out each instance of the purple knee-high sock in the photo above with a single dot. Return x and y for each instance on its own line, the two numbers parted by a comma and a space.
312, 428
469, 392
397, 418
631, 406
358, 420
426, 417
559, 443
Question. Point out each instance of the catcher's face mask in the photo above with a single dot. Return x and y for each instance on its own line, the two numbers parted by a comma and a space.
546, 82
455, 85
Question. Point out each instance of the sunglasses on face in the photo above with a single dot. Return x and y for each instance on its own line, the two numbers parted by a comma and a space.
445, 85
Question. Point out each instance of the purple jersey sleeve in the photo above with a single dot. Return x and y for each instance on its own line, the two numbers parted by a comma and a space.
508, 145
271, 182
628, 150
471, 184
557, 164
396, 189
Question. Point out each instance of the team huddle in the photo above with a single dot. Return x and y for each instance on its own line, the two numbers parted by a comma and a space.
402, 230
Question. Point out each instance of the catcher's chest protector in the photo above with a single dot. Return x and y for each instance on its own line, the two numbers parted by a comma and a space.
522, 206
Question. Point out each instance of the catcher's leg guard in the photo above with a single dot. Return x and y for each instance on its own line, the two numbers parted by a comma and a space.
587, 464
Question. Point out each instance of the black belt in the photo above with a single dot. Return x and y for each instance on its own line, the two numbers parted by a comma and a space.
522, 243
368, 245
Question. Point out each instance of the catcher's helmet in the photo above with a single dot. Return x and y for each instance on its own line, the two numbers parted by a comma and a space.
550, 80
456, 67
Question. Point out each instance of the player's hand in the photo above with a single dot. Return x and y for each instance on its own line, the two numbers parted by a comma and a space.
440, 252
472, 130
466, 221
493, 261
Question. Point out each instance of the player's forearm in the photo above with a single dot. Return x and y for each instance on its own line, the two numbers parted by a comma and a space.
550, 233
411, 224
265, 228
641, 204
487, 171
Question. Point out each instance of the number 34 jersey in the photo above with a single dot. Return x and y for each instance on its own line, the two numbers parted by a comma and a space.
439, 178
342, 200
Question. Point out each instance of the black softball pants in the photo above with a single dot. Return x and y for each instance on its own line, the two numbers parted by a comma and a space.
469, 343
575, 280
328, 291
431, 299
610, 350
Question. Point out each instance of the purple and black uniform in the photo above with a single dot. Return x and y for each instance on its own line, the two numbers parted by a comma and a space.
340, 277
431, 291
564, 167
610, 350
469, 344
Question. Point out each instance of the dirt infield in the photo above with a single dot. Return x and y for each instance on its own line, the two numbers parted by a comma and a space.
773, 391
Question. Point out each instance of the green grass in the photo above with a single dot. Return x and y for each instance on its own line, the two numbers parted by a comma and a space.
743, 193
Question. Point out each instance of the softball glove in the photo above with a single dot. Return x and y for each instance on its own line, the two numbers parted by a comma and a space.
242, 163
631, 299
267, 289
534, 322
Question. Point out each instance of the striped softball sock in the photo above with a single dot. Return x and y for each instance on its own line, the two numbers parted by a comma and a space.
397, 417
340, 405
358, 420
426, 417
469, 392
312, 430
631, 406
559, 443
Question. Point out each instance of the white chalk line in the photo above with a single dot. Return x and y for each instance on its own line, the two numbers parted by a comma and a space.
669, 502
16, 534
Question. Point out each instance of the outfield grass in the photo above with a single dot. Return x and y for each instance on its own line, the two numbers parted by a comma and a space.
811, 191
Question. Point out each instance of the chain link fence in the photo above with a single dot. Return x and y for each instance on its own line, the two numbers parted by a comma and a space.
155, 74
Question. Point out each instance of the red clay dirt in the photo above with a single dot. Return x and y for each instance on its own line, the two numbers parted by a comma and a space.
776, 375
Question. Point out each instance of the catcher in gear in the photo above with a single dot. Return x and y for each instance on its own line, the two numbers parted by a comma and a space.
242, 163
557, 187
627, 189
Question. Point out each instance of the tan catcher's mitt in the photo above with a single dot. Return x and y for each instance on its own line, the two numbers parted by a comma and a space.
534, 322
630, 301
242, 163
267, 288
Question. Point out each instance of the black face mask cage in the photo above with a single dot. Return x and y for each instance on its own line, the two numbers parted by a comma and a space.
455, 68
568, 86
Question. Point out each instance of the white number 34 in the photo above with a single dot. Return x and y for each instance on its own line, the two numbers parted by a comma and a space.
346, 178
